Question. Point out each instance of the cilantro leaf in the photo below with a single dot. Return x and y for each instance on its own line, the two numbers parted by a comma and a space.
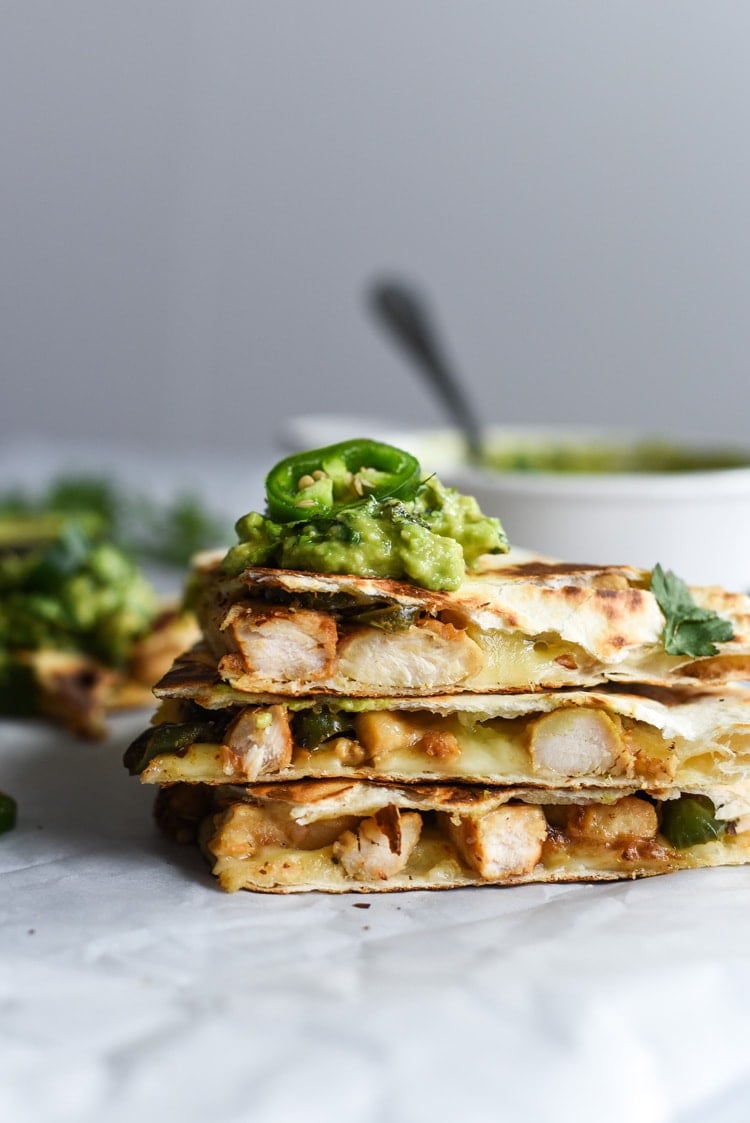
689, 629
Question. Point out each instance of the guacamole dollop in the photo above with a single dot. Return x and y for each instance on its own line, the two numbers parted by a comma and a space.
425, 532
72, 593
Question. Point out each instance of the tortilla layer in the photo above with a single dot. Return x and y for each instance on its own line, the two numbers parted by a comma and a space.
661, 739
514, 627
357, 837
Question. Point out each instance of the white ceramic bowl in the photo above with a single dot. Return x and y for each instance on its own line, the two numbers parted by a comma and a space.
696, 523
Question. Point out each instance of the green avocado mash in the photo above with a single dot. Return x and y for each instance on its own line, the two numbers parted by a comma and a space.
416, 530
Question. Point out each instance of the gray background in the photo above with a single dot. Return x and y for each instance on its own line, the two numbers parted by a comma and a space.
193, 197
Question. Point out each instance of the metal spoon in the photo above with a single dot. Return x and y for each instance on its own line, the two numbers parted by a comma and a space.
400, 308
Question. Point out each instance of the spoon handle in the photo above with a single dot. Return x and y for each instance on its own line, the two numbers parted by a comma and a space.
406, 316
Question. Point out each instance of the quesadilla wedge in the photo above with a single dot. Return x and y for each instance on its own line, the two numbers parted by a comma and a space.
379, 701
516, 625
563, 739
341, 837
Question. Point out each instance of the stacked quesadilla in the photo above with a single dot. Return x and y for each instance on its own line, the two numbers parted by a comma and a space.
539, 722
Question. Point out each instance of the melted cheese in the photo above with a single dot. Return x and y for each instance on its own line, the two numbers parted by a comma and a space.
491, 751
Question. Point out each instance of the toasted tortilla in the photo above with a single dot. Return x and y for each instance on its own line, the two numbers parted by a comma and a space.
566, 739
517, 626
341, 837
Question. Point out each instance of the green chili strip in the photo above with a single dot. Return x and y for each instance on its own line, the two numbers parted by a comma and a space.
321, 482
690, 821
7, 812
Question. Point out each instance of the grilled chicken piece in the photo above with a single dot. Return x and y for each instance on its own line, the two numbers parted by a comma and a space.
427, 656
281, 644
380, 846
441, 745
244, 829
618, 824
502, 843
257, 743
380, 733
578, 742
349, 752
321, 832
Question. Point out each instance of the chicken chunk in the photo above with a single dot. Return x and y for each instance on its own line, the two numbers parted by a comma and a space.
441, 745
319, 833
279, 645
380, 846
628, 821
502, 843
431, 655
577, 742
258, 742
381, 732
244, 829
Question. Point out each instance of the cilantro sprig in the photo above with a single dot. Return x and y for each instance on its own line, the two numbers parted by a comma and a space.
689, 629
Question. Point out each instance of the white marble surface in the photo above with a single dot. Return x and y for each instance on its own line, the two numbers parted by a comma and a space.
132, 988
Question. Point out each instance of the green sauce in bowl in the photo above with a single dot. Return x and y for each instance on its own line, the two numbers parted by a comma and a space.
589, 458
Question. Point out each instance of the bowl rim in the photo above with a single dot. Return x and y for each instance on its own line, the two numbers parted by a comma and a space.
676, 485
446, 444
